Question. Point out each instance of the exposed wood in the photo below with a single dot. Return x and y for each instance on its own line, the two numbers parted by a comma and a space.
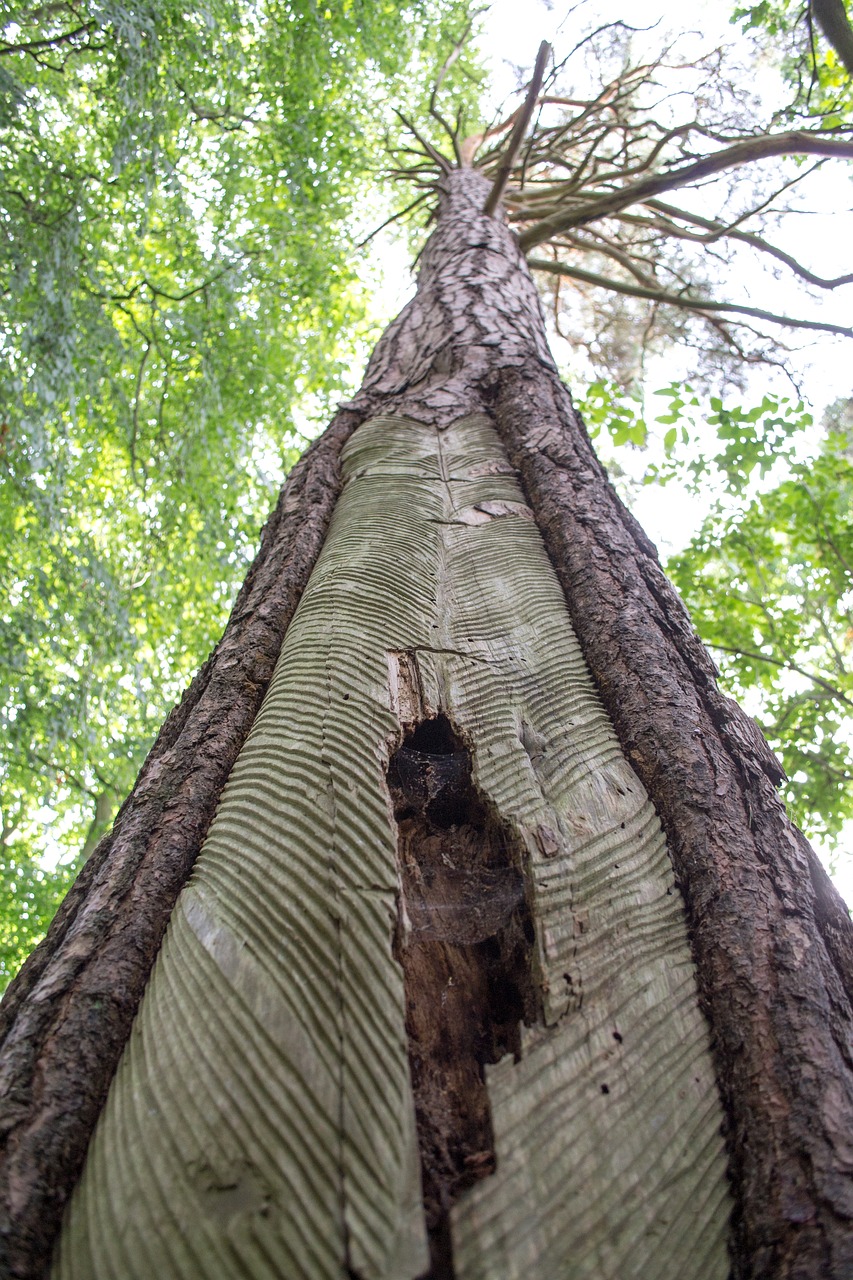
65, 1018
464, 941
285, 1143
772, 940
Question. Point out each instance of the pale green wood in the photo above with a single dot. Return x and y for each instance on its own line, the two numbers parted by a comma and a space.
261, 1122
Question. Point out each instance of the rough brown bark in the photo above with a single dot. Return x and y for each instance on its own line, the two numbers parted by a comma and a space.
772, 940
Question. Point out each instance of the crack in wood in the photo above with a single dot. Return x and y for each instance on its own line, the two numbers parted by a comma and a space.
464, 941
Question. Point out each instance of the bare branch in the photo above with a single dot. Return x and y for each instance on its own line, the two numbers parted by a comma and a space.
720, 229
452, 57
761, 147
395, 217
830, 688
434, 155
517, 136
682, 300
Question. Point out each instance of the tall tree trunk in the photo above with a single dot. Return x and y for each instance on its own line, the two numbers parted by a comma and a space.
432, 803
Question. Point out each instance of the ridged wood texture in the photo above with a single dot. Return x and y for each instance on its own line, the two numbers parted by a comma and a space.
261, 1121
65, 1018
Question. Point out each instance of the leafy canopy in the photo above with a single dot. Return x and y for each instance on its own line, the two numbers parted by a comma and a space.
816, 42
769, 583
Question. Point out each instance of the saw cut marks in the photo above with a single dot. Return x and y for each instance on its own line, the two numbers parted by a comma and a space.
262, 1121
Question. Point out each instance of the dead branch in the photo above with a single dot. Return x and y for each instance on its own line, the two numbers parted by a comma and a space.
395, 217
451, 58
698, 305
517, 136
715, 230
761, 147
434, 155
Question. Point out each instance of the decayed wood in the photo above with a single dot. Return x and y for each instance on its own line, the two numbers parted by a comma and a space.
773, 941
464, 943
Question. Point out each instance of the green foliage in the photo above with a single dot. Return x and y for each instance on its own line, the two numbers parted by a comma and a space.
768, 579
769, 583
177, 188
745, 443
178, 191
605, 406
810, 65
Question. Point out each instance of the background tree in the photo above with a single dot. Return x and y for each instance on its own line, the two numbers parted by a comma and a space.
770, 938
818, 37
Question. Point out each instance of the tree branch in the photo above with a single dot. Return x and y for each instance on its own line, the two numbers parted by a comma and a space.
452, 57
794, 142
788, 666
395, 217
434, 155
48, 42
517, 136
682, 300
719, 230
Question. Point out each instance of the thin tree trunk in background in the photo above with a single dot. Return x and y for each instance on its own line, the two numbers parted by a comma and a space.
770, 938
833, 21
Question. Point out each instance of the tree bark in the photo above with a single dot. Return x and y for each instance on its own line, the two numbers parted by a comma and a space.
772, 941
835, 25
66, 1017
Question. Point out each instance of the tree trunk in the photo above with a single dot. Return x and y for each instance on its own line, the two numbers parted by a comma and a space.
427, 1004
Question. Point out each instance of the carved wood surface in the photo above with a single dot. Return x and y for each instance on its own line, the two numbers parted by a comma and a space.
285, 1142
66, 1017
